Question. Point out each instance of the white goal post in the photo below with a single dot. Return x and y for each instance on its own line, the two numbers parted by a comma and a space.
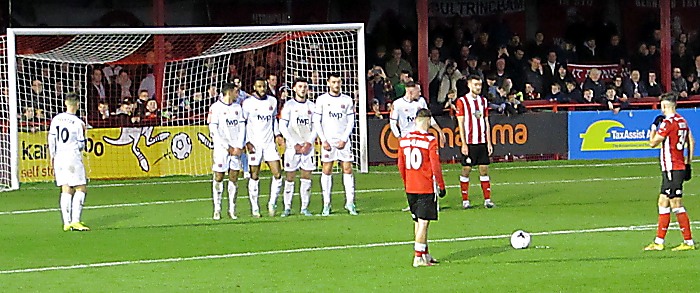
168, 78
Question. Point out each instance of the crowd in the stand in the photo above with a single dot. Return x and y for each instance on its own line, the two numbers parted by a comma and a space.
514, 70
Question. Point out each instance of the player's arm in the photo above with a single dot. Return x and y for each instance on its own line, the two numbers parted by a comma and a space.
317, 119
239, 141
394, 122
213, 124
402, 164
435, 166
284, 124
488, 134
441, 135
350, 123
658, 136
53, 135
691, 148
82, 134
460, 123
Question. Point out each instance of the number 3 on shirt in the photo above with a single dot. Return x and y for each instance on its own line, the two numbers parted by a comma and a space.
682, 136
414, 158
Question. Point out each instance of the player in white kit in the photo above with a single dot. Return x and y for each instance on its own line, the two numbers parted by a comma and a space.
66, 142
334, 118
262, 132
227, 130
403, 115
297, 128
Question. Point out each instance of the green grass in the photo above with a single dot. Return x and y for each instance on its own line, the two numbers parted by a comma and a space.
533, 196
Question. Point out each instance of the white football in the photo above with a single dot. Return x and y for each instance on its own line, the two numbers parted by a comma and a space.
520, 239
181, 146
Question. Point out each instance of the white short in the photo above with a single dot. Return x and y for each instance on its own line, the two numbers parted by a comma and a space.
222, 161
268, 153
294, 161
344, 155
71, 173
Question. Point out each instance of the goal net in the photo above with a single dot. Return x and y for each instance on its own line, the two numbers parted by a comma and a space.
145, 92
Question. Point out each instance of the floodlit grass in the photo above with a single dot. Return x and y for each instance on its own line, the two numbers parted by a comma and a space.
157, 235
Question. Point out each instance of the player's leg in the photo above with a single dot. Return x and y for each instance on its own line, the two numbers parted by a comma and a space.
305, 191
233, 192
275, 185
288, 190
676, 202
244, 165
326, 186
349, 184
254, 183
663, 222
421, 243
65, 204
485, 185
77, 208
464, 179
217, 189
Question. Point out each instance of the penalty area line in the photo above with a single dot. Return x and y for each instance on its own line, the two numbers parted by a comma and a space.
315, 249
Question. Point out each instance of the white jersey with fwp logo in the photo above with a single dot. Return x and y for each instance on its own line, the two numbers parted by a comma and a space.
334, 118
261, 120
295, 122
404, 113
226, 125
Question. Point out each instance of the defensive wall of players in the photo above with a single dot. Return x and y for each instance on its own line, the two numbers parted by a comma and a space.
155, 151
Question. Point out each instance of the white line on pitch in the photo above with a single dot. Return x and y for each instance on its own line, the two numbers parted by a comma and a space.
164, 202
314, 249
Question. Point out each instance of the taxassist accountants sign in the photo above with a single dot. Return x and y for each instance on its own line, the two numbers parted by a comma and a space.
604, 135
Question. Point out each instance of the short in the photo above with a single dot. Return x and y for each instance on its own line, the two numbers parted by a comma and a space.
423, 206
672, 183
294, 161
478, 155
335, 154
71, 173
267, 153
222, 161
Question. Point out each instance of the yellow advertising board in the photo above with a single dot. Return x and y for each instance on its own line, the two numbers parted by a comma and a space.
126, 153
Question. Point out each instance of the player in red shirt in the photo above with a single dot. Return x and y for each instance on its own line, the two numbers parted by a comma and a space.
419, 165
475, 129
674, 136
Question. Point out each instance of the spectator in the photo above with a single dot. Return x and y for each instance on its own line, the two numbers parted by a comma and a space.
408, 54
500, 72
273, 64
104, 113
618, 86
615, 52
435, 66
696, 68
97, 91
654, 58
567, 53
610, 99
530, 92
448, 81
516, 67
483, 50
693, 85
111, 72
587, 97
377, 80
556, 95
537, 48
533, 75
272, 86
514, 44
456, 44
682, 59
123, 84
439, 43
634, 87
563, 76
473, 67
654, 88
148, 83
464, 54
497, 99
594, 82
678, 84
490, 88
141, 103
395, 66
28, 121
400, 88
123, 116
514, 104
573, 93
379, 57
641, 61
551, 68
589, 52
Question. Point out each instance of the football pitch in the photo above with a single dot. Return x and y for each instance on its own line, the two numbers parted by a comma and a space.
589, 222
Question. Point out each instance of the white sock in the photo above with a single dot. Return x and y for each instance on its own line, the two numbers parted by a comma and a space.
288, 194
217, 188
326, 187
305, 192
420, 247
65, 203
253, 193
77, 208
232, 194
349, 183
275, 187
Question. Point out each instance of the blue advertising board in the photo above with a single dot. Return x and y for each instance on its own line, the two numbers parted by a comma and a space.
604, 135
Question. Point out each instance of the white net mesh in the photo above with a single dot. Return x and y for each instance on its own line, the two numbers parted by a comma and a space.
146, 122
5, 158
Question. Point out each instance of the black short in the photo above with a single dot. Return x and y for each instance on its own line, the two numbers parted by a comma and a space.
423, 206
478, 155
672, 183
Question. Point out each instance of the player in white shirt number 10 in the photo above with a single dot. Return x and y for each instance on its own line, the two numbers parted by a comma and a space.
66, 142
334, 118
298, 130
227, 130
